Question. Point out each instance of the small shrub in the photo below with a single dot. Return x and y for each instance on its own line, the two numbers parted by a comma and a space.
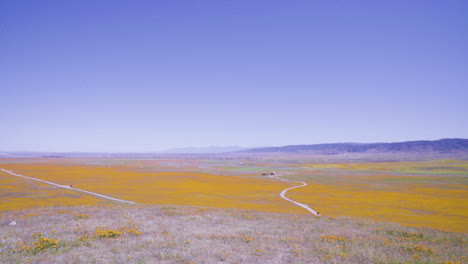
82, 216
422, 248
37, 235
404, 234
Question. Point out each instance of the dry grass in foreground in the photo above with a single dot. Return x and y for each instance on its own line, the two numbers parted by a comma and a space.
155, 234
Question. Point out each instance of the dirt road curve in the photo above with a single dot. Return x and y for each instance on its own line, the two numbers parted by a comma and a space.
283, 195
69, 188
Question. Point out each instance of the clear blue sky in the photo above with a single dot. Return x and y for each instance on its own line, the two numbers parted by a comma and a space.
151, 75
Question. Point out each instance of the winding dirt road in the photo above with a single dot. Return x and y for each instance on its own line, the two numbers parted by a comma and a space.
69, 187
283, 195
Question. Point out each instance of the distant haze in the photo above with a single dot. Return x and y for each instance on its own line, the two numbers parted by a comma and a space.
144, 76
211, 149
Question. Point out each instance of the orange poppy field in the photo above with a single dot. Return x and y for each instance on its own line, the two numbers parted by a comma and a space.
424, 194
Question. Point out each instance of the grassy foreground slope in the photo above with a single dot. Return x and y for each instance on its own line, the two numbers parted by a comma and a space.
155, 234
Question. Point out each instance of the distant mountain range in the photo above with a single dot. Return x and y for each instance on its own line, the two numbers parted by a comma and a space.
199, 150
448, 145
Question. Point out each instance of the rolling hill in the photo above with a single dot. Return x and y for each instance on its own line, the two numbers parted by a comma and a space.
448, 145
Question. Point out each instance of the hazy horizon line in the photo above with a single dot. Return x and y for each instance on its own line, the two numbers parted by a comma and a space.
167, 150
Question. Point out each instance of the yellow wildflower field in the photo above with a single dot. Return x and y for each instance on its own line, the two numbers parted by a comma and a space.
171, 188
17, 193
378, 191
415, 204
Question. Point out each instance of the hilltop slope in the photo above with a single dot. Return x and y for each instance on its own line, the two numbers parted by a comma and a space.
188, 235
453, 145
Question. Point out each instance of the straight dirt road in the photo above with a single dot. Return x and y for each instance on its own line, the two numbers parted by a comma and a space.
69, 188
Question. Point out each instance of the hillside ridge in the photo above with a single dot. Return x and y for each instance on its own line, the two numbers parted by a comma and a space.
446, 145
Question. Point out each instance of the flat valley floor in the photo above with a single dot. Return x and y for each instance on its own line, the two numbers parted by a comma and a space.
429, 194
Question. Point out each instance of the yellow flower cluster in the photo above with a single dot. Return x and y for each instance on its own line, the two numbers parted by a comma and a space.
131, 228
290, 239
333, 238
133, 231
45, 243
247, 239
422, 248
384, 239
108, 233
37, 235
86, 238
